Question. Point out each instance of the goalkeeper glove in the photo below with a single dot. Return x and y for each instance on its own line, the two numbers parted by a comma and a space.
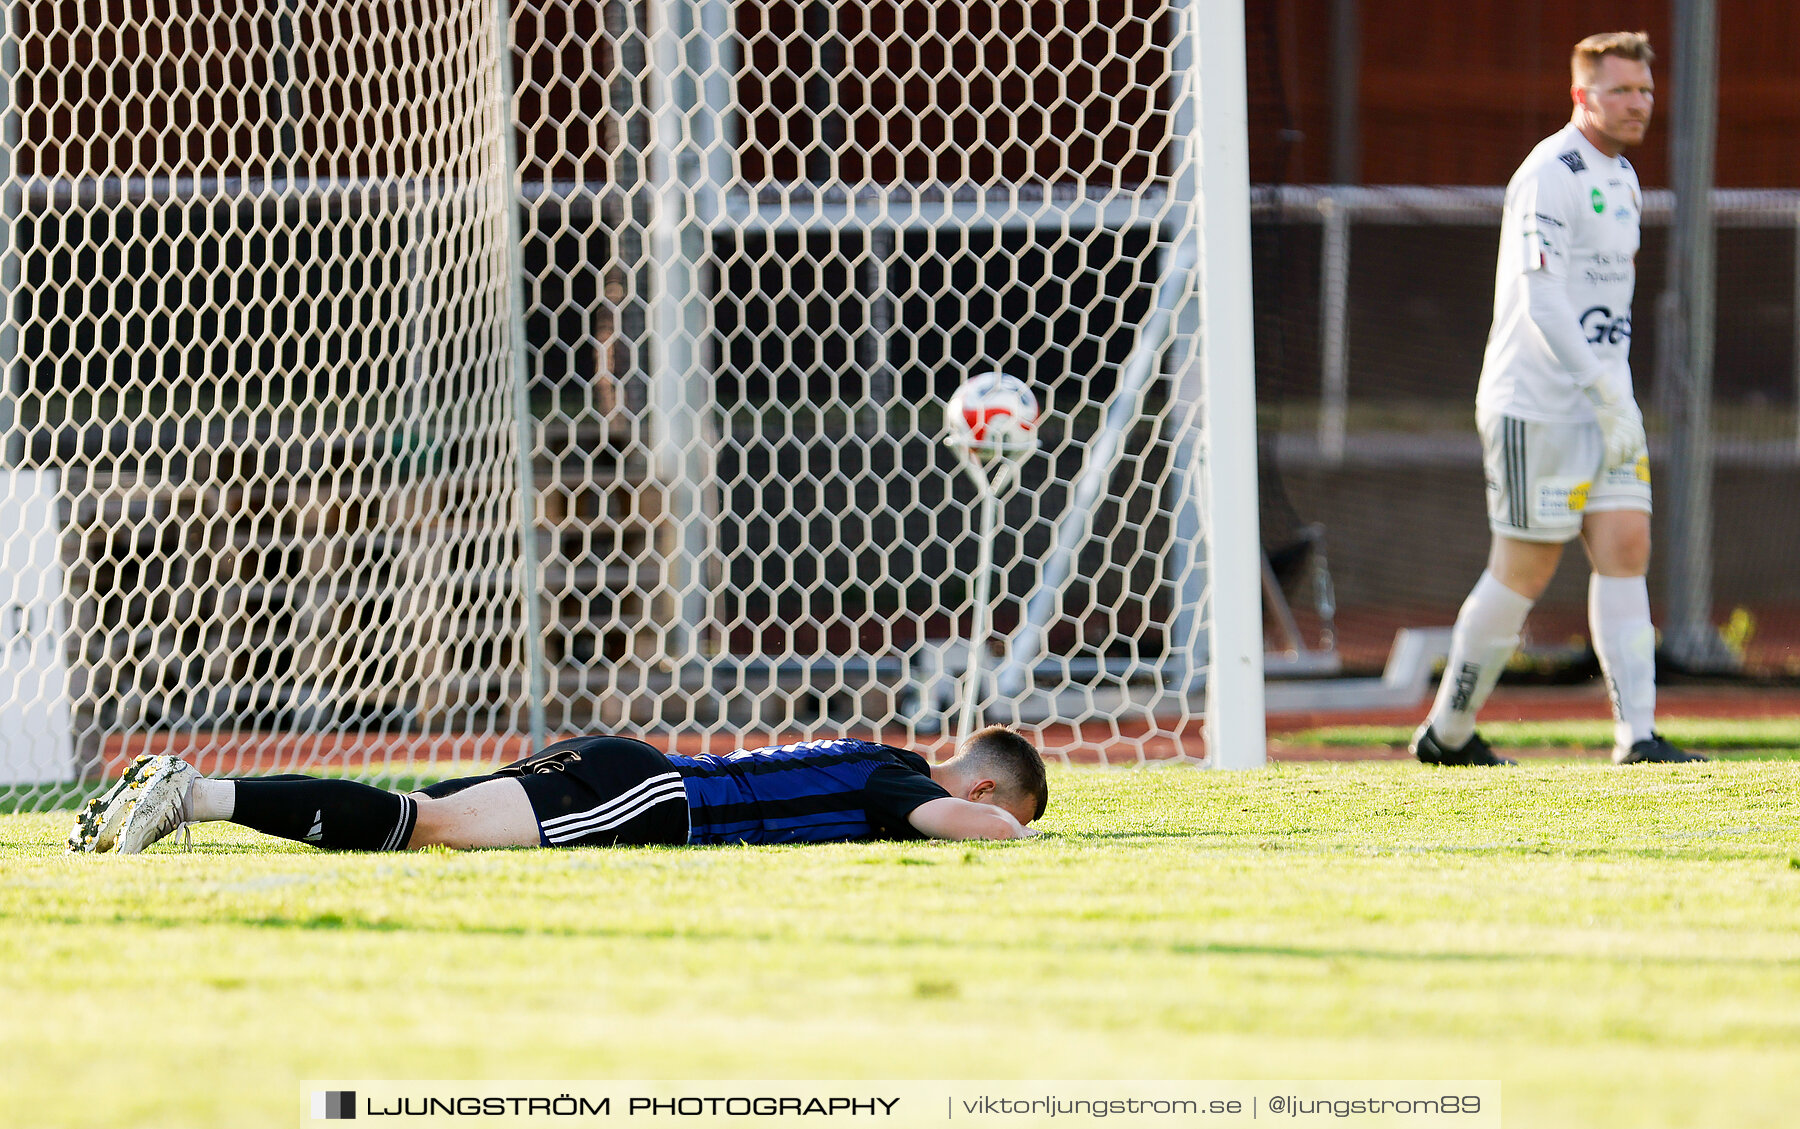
1621, 424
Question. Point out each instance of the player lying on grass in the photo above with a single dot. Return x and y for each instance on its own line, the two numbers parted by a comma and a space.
605, 791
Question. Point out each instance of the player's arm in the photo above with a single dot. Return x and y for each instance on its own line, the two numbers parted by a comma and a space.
1544, 211
951, 818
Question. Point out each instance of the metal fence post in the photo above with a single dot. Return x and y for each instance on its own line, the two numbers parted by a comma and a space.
1689, 636
1334, 329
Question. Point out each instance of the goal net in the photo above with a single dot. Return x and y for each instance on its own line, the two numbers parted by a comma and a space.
266, 378
260, 464
769, 240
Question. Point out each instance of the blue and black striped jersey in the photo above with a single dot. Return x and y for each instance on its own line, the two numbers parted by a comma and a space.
810, 792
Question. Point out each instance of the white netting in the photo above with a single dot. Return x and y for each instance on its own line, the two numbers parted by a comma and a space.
262, 372
261, 278
871, 203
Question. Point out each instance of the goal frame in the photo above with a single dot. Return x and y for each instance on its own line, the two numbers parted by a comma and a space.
1218, 617
692, 197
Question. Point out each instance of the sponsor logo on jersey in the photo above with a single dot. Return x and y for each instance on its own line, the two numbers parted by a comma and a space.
1573, 159
1602, 328
1602, 277
1598, 199
1630, 474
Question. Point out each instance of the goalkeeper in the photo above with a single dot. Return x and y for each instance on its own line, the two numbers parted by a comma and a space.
605, 791
1561, 435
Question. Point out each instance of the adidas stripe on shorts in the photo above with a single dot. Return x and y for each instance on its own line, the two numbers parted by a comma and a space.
597, 792
1541, 478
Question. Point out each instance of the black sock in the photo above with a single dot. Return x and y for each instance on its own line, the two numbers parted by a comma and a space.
334, 814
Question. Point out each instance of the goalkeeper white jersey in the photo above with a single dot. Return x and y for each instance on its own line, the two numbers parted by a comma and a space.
1570, 232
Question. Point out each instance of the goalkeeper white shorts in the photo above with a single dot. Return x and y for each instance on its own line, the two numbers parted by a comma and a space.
1543, 478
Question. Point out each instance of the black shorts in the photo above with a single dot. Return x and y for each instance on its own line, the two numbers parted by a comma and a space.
596, 792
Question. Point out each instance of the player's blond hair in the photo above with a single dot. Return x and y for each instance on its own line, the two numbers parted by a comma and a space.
1584, 64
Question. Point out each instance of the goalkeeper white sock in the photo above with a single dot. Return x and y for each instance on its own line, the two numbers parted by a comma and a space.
1625, 640
1486, 635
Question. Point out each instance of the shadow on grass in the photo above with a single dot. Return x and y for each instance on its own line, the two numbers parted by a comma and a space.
329, 921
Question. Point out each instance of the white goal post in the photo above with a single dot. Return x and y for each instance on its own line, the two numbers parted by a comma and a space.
403, 400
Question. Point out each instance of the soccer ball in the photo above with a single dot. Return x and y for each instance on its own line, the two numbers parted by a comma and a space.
993, 417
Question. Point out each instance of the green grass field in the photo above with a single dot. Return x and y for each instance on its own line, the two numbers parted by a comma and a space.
1757, 738
1620, 947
